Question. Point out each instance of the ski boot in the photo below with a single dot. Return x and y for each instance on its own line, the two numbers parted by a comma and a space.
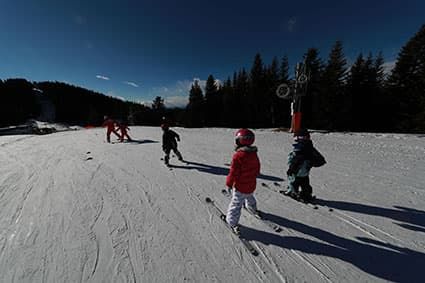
236, 229
179, 156
292, 194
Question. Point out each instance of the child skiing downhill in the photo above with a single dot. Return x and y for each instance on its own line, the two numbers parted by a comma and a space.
169, 142
302, 158
123, 127
110, 128
244, 169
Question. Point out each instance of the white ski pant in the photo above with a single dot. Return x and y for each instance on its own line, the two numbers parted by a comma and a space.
235, 206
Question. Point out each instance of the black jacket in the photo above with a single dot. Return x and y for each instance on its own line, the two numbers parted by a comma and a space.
169, 138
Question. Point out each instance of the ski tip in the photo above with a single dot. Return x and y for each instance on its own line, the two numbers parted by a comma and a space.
207, 199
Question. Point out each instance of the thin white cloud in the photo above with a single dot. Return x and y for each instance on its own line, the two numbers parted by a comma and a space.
131, 84
291, 24
102, 77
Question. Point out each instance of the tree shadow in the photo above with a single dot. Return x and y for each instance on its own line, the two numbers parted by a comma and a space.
383, 260
403, 214
216, 170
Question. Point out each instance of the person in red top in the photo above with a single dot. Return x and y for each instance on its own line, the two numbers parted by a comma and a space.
110, 128
242, 177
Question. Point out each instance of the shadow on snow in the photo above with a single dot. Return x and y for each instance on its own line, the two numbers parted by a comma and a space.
413, 219
216, 170
383, 260
136, 141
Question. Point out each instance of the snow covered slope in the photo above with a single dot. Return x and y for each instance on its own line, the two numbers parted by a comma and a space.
76, 209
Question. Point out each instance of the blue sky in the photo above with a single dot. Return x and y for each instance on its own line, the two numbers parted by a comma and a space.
140, 49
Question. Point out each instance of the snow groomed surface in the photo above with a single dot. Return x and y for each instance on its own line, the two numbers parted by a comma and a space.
76, 209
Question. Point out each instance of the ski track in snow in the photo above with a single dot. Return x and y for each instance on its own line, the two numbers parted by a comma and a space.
74, 208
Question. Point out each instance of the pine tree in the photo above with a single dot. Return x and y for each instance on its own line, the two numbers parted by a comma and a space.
212, 105
284, 70
158, 108
356, 91
228, 103
311, 110
283, 108
195, 108
257, 102
379, 69
381, 121
407, 83
158, 103
272, 101
333, 102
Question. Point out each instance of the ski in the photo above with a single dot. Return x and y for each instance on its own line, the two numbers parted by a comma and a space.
311, 204
248, 245
258, 215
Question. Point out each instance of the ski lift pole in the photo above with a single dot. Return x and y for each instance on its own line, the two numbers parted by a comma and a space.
296, 102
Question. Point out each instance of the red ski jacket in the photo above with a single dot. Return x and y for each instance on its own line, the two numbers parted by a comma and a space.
244, 170
109, 123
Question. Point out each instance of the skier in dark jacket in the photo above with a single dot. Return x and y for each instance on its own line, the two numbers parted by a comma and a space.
299, 161
169, 142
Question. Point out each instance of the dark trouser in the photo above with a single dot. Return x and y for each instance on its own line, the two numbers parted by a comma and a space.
167, 153
108, 134
304, 183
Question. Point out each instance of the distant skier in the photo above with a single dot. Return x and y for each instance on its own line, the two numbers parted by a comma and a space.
300, 160
110, 128
242, 177
169, 142
123, 127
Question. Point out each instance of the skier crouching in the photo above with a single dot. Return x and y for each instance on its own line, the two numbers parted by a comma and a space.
169, 142
242, 177
123, 127
110, 128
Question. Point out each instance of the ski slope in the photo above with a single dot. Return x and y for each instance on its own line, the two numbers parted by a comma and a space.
76, 209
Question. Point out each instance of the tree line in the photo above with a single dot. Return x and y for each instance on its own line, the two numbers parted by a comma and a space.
22, 100
360, 97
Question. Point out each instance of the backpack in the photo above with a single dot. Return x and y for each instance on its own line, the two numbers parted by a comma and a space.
317, 159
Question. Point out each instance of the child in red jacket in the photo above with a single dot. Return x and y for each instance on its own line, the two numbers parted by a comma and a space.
242, 177
110, 128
